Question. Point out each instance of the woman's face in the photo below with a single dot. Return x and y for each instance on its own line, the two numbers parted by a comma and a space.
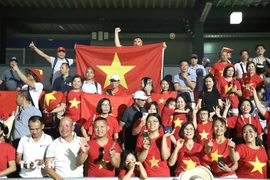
105, 107
251, 68
189, 132
77, 83
130, 159
89, 74
152, 109
209, 83
249, 134
152, 124
164, 86
245, 107
230, 72
219, 128
180, 103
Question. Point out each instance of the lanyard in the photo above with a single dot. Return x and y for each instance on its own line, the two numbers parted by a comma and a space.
244, 119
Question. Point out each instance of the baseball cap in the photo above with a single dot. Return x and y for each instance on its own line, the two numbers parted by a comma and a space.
61, 49
194, 56
115, 77
13, 59
139, 95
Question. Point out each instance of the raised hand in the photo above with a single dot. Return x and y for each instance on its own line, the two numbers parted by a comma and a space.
15, 67
84, 145
112, 151
180, 143
231, 144
168, 134
227, 103
117, 30
32, 45
210, 143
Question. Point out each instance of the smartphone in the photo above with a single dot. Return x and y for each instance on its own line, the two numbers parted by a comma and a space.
149, 83
221, 160
167, 129
145, 115
146, 137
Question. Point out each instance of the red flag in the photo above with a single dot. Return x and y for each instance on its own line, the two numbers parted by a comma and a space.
246, 85
130, 63
7, 102
162, 98
89, 103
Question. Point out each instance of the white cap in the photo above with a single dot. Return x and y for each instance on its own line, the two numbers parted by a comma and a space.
115, 77
139, 95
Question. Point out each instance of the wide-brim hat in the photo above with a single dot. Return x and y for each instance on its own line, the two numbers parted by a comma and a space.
49, 101
226, 49
37, 72
197, 173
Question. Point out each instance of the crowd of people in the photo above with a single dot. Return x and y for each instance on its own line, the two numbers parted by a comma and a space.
217, 119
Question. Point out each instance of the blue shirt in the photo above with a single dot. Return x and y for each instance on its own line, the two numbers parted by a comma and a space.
62, 84
11, 83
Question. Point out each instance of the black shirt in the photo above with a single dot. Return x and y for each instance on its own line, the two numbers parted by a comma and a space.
62, 84
209, 99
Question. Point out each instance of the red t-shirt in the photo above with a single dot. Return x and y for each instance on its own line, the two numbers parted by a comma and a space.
252, 162
7, 154
123, 172
167, 116
188, 159
178, 121
136, 124
219, 150
120, 92
105, 168
112, 124
246, 83
204, 132
73, 105
217, 69
154, 165
225, 86
239, 121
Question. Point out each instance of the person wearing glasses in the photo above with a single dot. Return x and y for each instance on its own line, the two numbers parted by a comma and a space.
104, 154
154, 148
130, 116
66, 155
230, 88
115, 90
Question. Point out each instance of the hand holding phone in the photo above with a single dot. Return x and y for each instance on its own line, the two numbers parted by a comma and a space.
221, 160
146, 138
145, 115
167, 129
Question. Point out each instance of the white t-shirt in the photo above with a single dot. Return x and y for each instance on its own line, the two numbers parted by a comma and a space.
239, 69
65, 154
34, 92
91, 88
56, 70
32, 151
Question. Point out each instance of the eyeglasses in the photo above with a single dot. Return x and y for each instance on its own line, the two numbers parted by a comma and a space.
152, 122
114, 80
100, 156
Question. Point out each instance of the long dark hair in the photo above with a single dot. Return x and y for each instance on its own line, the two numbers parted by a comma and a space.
214, 81
145, 79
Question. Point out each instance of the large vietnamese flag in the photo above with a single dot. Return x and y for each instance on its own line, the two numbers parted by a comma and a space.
131, 63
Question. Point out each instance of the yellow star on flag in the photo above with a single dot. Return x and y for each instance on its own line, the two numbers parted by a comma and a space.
116, 68
204, 135
248, 86
257, 165
74, 103
49, 97
215, 156
154, 162
161, 101
190, 164
177, 122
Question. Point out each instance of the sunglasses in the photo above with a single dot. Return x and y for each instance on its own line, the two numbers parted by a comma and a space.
100, 156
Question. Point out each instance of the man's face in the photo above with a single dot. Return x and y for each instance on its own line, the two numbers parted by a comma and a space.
224, 56
244, 56
64, 69
140, 102
19, 99
61, 54
193, 61
137, 42
184, 67
65, 128
260, 50
12, 63
114, 83
36, 129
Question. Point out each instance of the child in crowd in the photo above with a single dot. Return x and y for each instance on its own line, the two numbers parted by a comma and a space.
130, 167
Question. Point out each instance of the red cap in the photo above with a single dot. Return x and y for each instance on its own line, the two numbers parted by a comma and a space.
37, 72
226, 49
61, 49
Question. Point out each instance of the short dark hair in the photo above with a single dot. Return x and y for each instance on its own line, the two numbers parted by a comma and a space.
99, 109
258, 45
25, 94
180, 62
241, 52
4, 129
241, 102
124, 155
181, 133
155, 115
226, 69
101, 119
35, 119
250, 62
77, 76
169, 100
148, 106
67, 65
204, 109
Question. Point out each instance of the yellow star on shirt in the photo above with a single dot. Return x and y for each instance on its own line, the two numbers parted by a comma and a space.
103, 164
116, 68
257, 165
74, 103
154, 162
221, 72
49, 97
190, 164
215, 156
248, 86
204, 135
161, 101
177, 122
171, 118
